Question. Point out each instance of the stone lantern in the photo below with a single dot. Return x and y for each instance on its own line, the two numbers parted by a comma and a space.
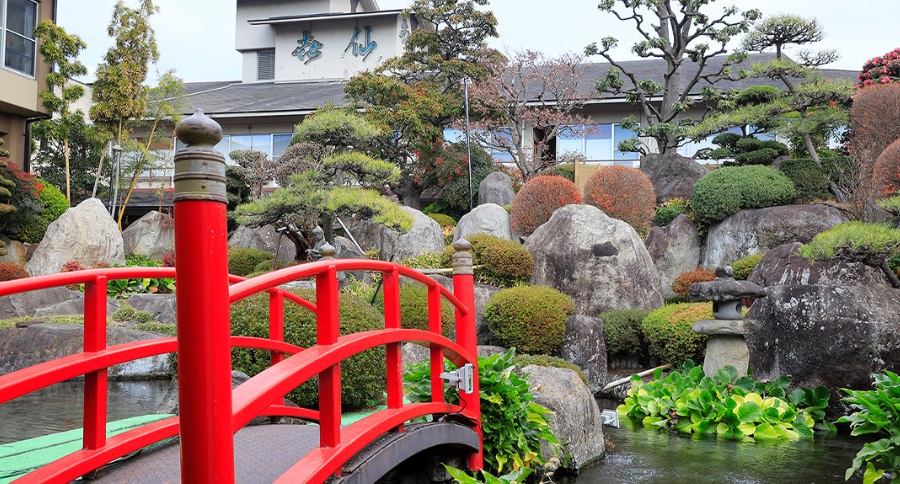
726, 344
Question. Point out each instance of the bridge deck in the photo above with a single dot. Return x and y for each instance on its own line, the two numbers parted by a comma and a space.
262, 453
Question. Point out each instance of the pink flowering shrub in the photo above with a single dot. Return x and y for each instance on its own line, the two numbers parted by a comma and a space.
881, 70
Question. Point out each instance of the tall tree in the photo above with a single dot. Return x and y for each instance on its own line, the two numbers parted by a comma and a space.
412, 97
684, 35
84, 145
119, 94
527, 92
60, 50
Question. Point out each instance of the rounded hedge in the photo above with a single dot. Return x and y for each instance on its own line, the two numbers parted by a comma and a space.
622, 332
538, 198
744, 267
53, 203
669, 210
242, 261
414, 308
506, 263
810, 180
362, 376
530, 318
724, 191
443, 220
669, 334
683, 281
887, 170
624, 193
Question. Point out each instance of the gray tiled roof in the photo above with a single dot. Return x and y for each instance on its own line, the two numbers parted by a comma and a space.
271, 98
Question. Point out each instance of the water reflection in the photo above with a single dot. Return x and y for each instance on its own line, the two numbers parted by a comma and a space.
647, 456
59, 407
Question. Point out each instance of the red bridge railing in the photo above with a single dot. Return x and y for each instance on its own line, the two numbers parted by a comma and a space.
209, 411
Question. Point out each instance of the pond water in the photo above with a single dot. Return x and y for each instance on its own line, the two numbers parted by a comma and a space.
641, 455
59, 407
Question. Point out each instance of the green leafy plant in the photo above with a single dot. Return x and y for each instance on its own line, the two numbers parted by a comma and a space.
744, 267
243, 261
810, 179
669, 334
852, 239
514, 477
414, 308
726, 405
506, 263
622, 332
876, 412
530, 318
443, 220
513, 424
669, 210
723, 191
52, 204
157, 327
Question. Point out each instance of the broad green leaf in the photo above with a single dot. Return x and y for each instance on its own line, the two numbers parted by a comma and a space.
765, 431
749, 411
872, 474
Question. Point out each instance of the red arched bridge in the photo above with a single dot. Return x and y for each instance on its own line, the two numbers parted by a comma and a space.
212, 445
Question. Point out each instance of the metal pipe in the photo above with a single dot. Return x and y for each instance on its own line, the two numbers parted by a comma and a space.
466, 82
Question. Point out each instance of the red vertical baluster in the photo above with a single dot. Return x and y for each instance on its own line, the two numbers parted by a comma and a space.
204, 347
437, 353
464, 290
95, 382
276, 328
328, 321
392, 321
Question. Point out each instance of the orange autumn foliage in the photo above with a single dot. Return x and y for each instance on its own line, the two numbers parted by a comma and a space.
538, 198
624, 193
887, 170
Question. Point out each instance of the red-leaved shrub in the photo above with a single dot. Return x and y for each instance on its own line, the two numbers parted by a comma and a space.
887, 170
168, 259
72, 265
10, 271
624, 193
683, 282
538, 198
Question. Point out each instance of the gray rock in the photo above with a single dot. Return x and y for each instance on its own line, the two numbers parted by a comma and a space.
486, 218
161, 306
576, 416
152, 235
263, 238
424, 236
584, 345
826, 335
726, 326
754, 231
28, 303
724, 350
72, 306
673, 175
17, 252
483, 292
85, 233
599, 261
489, 350
675, 249
782, 266
496, 188
38, 343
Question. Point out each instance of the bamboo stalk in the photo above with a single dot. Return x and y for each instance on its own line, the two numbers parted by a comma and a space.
622, 381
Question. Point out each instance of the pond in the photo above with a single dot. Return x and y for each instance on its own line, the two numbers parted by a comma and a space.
640, 455
59, 407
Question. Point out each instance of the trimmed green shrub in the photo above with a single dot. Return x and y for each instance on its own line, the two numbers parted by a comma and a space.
810, 180
853, 238
669, 334
362, 376
443, 220
683, 282
506, 263
724, 191
624, 193
128, 313
157, 327
521, 361
623, 333
538, 198
137, 260
744, 267
243, 261
430, 260
53, 203
669, 210
10, 271
414, 308
530, 318
563, 169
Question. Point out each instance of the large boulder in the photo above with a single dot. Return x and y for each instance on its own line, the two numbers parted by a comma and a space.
263, 238
487, 218
576, 416
782, 266
160, 306
38, 343
152, 235
675, 249
826, 335
54, 301
673, 175
85, 233
496, 188
16, 252
424, 236
599, 261
584, 345
753, 231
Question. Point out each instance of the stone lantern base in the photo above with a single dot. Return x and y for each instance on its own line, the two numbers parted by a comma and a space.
726, 344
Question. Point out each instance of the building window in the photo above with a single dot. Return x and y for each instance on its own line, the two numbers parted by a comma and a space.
265, 65
596, 142
18, 19
691, 148
497, 138
273, 145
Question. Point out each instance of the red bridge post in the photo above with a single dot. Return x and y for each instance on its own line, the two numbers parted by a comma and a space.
464, 290
204, 351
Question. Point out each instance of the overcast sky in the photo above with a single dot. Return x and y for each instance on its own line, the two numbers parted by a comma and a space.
196, 37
